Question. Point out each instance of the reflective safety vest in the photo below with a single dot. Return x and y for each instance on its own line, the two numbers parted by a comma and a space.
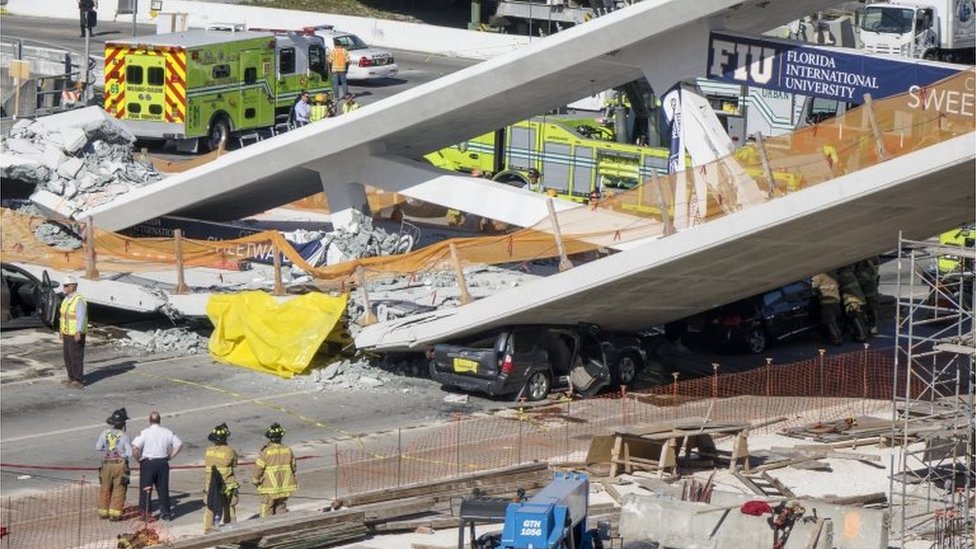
319, 112
349, 106
339, 58
69, 307
112, 437
274, 471
224, 458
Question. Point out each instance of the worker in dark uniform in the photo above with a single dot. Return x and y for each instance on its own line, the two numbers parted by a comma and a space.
86, 9
868, 278
113, 475
220, 489
853, 299
828, 293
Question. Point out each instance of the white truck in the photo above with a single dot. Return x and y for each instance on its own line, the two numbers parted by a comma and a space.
941, 30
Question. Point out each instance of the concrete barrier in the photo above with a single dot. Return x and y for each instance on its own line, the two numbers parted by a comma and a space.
379, 32
690, 524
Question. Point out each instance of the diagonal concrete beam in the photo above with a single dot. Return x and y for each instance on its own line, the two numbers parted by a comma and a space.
603, 53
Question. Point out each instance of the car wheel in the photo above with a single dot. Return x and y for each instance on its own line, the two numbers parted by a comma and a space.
536, 387
756, 340
625, 370
219, 134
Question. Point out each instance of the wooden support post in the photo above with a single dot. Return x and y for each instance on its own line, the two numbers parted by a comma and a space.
279, 288
459, 271
180, 278
875, 129
368, 316
564, 263
91, 271
767, 168
664, 202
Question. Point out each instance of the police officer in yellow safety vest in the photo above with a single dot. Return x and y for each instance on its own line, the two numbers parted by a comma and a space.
74, 326
220, 489
114, 472
274, 473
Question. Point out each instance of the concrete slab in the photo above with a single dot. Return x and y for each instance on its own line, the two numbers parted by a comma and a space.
755, 249
110, 293
683, 524
559, 69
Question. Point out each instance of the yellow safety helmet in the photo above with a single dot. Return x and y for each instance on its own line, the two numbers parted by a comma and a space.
320, 98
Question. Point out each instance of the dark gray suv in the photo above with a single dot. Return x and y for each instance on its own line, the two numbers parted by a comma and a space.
528, 361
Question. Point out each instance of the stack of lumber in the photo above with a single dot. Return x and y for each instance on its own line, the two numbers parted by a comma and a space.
395, 510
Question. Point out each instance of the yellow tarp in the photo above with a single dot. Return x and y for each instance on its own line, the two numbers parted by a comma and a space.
253, 330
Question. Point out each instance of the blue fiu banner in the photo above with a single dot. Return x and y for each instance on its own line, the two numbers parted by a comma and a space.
671, 111
815, 71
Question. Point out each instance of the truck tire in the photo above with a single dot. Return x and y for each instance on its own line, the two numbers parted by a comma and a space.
218, 135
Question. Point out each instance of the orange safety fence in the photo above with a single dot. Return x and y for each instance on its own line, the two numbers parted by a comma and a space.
850, 142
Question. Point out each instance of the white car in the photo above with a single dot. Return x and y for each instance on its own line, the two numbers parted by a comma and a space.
365, 62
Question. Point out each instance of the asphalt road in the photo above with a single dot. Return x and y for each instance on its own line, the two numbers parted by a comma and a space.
415, 68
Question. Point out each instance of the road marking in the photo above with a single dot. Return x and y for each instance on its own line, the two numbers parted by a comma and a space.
166, 415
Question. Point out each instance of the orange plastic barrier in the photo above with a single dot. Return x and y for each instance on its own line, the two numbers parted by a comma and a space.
899, 125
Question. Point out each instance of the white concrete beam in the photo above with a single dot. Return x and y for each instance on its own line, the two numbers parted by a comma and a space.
823, 227
606, 52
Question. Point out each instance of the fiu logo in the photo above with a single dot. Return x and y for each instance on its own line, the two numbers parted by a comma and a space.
748, 63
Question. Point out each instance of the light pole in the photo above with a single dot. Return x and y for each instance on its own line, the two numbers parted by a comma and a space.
135, 10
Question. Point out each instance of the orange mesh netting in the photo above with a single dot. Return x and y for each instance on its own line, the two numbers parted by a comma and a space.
905, 123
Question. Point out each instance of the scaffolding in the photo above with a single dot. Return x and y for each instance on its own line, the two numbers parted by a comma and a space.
931, 486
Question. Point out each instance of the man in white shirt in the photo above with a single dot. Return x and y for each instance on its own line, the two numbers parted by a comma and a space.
154, 447
303, 111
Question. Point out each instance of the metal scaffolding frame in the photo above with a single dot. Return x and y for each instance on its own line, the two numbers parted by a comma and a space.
932, 467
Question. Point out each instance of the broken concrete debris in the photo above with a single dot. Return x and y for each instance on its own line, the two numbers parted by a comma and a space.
79, 158
358, 240
57, 236
177, 340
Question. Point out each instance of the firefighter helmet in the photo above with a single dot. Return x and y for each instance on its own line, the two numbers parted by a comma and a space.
219, 433
275, 432
118, 417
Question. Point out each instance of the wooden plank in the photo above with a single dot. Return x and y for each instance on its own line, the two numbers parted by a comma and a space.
748, 482
257, 528
464, 482
776, 483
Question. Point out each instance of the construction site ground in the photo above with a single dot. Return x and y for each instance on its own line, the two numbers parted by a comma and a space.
48, 431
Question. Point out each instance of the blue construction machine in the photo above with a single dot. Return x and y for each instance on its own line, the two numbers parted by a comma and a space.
554, 518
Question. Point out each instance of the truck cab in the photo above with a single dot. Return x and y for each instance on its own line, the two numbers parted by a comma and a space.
900, 29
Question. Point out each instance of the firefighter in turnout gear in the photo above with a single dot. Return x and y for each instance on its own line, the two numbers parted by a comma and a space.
853, 299
868, 278
114, 473
220, 489
274, 473
828, 293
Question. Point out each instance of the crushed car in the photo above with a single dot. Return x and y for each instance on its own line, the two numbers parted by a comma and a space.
752, 324
26, 300
530, 361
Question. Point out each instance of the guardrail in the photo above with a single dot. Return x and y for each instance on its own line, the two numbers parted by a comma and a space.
379, 32
52, 70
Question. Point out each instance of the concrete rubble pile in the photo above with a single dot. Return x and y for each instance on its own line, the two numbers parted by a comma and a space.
407, 295
357, 240
178, 340
75, 160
